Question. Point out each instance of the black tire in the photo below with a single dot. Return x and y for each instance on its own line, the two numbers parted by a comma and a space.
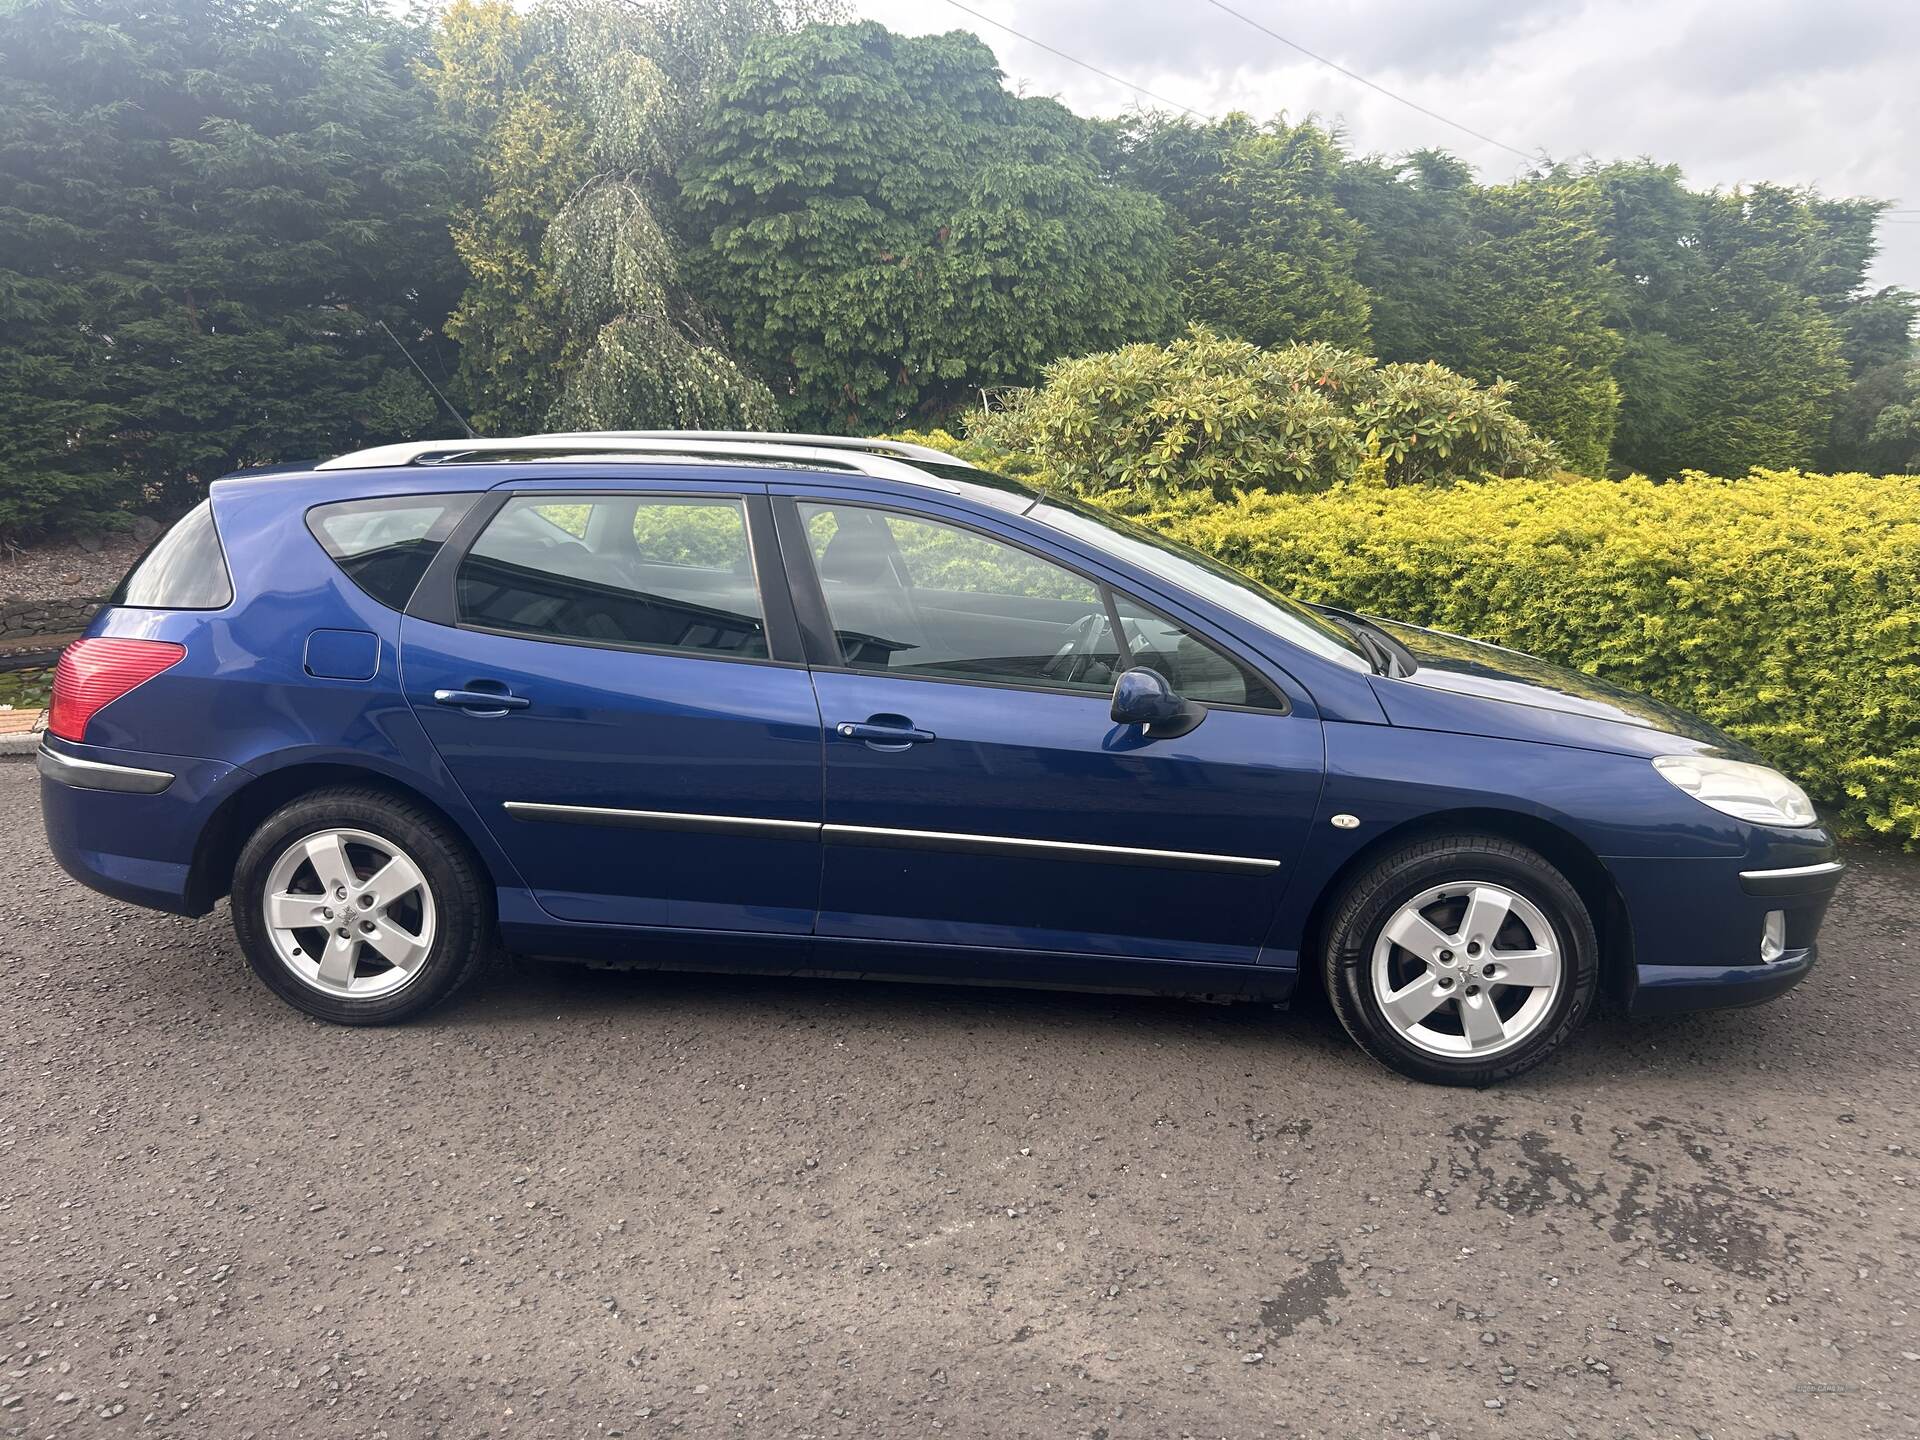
462, 901
1376, 896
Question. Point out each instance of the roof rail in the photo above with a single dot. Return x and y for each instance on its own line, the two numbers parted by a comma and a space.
869, 444
886, 458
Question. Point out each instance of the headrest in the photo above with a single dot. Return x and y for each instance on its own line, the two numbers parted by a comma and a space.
856, 555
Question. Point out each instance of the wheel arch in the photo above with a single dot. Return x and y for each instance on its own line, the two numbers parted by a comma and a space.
241, 813
1565, 851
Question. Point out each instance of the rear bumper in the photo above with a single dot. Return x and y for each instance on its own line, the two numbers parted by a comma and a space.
126, 823
1697, 925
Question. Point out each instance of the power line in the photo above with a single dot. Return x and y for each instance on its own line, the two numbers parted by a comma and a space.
1311, 55
1353, 75
1073, 60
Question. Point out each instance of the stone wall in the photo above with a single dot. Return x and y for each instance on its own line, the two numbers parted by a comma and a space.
24, 619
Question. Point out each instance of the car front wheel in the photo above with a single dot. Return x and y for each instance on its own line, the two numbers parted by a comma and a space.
359, 908
1461, 959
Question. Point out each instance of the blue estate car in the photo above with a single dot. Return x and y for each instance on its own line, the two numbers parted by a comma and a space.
802, 703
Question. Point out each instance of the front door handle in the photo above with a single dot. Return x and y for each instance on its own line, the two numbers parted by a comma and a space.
888, 732
481, 702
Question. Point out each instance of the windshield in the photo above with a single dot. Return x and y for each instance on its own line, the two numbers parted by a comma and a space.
1203, 576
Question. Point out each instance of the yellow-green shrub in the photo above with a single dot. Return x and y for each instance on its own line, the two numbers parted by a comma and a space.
1784, 607
1212, 413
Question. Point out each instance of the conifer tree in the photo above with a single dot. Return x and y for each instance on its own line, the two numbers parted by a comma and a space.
205, 208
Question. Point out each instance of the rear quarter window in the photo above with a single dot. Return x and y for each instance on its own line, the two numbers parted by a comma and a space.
185, 570
384, 546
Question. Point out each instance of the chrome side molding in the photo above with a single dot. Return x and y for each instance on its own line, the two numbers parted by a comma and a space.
98, 775
1793, 880
664, 820
885, 838
1049, 849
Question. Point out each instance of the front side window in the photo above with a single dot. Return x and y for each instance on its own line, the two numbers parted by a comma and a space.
669, 573
1204, 576
1191, 666
913, 596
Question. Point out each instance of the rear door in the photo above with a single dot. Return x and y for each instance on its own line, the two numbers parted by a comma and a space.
614, 679
977, 790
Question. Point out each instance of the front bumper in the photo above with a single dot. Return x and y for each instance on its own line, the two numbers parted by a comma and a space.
1676, 989
1696, 927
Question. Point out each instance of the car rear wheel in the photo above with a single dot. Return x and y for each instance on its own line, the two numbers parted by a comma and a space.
1461, 960
360, 908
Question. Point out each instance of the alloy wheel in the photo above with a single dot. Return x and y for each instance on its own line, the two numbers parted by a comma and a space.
1467, 969
349, 913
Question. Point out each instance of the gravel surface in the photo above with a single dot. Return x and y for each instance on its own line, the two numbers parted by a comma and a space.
67, 569
583, 1204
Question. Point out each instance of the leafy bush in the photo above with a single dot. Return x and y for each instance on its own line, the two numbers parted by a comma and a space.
1780, 606
1212, 415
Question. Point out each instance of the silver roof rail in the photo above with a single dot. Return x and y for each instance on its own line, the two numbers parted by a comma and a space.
860, 443
889, 459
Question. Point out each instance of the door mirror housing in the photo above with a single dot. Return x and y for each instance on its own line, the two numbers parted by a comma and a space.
1143, 697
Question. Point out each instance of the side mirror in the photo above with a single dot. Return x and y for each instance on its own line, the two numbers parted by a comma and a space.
1143, 697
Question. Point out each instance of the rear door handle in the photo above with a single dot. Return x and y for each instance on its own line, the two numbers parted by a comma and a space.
883, 737
481, 702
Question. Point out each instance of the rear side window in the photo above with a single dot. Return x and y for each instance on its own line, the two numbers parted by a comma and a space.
643, 572
385, 546
185, 570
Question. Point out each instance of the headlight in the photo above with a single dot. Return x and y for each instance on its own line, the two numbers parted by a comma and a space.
1747, 792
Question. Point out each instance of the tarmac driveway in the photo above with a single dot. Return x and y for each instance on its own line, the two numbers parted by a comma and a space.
581, 1203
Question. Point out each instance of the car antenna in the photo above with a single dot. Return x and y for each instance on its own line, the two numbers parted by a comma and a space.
472, 434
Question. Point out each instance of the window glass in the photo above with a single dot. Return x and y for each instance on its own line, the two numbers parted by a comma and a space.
662, 574
671, 532
1204, 576
386, 545
570, 518
912, 596
1191, 666
185, 570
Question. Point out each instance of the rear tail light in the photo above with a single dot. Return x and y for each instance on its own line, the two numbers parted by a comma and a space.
95, 673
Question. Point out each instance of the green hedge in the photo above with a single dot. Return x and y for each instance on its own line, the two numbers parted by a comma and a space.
1784, 607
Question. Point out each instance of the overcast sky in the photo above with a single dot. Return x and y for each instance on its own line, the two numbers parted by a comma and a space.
1805, 92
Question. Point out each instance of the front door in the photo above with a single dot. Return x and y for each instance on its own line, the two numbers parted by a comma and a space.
977, 791
604, 692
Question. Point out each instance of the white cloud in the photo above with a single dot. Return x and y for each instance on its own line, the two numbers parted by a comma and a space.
1802, 92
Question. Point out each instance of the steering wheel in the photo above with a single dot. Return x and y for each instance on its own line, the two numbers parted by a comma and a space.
1082, 636
1081, 647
